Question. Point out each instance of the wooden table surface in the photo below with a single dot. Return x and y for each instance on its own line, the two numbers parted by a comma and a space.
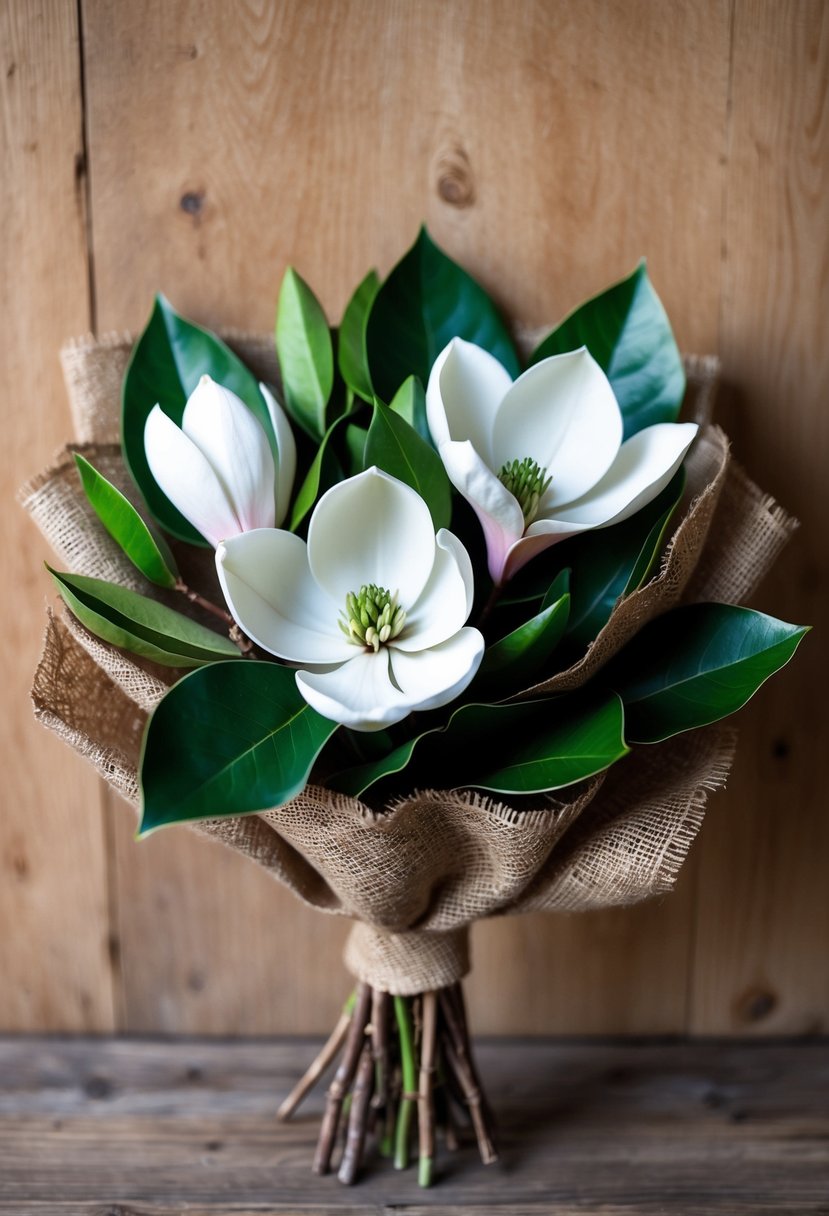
107, 1127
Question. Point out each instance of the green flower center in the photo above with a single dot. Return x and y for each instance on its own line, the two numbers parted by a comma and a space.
527, 482
372, 617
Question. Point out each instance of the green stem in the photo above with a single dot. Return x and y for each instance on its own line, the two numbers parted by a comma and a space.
407, 1058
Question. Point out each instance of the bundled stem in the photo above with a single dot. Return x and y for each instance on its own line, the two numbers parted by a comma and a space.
399, 1057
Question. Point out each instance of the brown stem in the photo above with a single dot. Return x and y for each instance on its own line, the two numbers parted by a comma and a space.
358, 1118
342, 1080
208, 606
456, 995
380, 1047
425, 1104
316, 1069
457, 1059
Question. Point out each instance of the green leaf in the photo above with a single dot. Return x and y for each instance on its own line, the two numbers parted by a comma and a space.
627, 331
352, 358
306, 354
541, 745
167, 363
148, 552
410, 403
552, 743
143, 626
323, 473
521, 655
698, 664
425, 302
397, 449
612, 562
355, 446
228, 739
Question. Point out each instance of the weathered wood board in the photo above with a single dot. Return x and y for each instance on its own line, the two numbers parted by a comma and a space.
548, 146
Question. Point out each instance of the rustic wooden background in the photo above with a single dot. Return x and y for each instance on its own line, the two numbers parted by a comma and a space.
197, 147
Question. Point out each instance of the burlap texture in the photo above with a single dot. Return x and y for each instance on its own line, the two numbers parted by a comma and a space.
416, 874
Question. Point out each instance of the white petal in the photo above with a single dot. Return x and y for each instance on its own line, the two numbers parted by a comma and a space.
431, 678
645, 464
371, 529
446, 600
235, 444
466, 386
539, 536
564, 415
272, 596
188, 479
358, 694
498, 511
286, 450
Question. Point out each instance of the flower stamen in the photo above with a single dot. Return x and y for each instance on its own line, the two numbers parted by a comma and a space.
372, 617
527, 482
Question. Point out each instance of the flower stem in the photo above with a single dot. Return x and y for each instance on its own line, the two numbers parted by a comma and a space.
234, 632
407, 1097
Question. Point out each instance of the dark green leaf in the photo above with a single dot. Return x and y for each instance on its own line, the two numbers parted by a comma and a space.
324, 472
397, 449
526, 748
425, 302
167, 363
148, 552
551, 743
351, 344
627, 331
410, 403
143, 626
306, 354
698, 664
228, 739
521, 655
355, 444
612, 562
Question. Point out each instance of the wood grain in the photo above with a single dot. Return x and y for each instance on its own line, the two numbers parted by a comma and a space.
763, 898
53, 898
548, 145
547, 140
149, 1128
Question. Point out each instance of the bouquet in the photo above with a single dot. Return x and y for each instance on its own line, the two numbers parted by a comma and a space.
432, 629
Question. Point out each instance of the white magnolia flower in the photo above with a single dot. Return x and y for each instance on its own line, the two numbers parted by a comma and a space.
218, 468
373, 607
542, 459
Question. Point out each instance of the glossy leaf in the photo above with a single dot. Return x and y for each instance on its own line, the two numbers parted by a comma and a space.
228, 739
324, 471
149, 553
425, 302
627, 331
355, 446
552, 743
167, 363
397, 449
306, 354
612, 562
521, 655
698, 664
410, 403
352, 357
141, 625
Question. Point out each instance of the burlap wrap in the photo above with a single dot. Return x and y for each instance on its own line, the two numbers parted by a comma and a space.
415, 875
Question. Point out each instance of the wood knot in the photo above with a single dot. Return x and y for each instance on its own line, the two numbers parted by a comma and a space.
192, 203
455, 184
755, 1004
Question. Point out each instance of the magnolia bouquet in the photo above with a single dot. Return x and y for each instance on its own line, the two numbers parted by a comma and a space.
386, 622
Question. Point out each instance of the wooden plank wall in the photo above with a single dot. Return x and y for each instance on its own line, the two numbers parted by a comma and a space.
199, 146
